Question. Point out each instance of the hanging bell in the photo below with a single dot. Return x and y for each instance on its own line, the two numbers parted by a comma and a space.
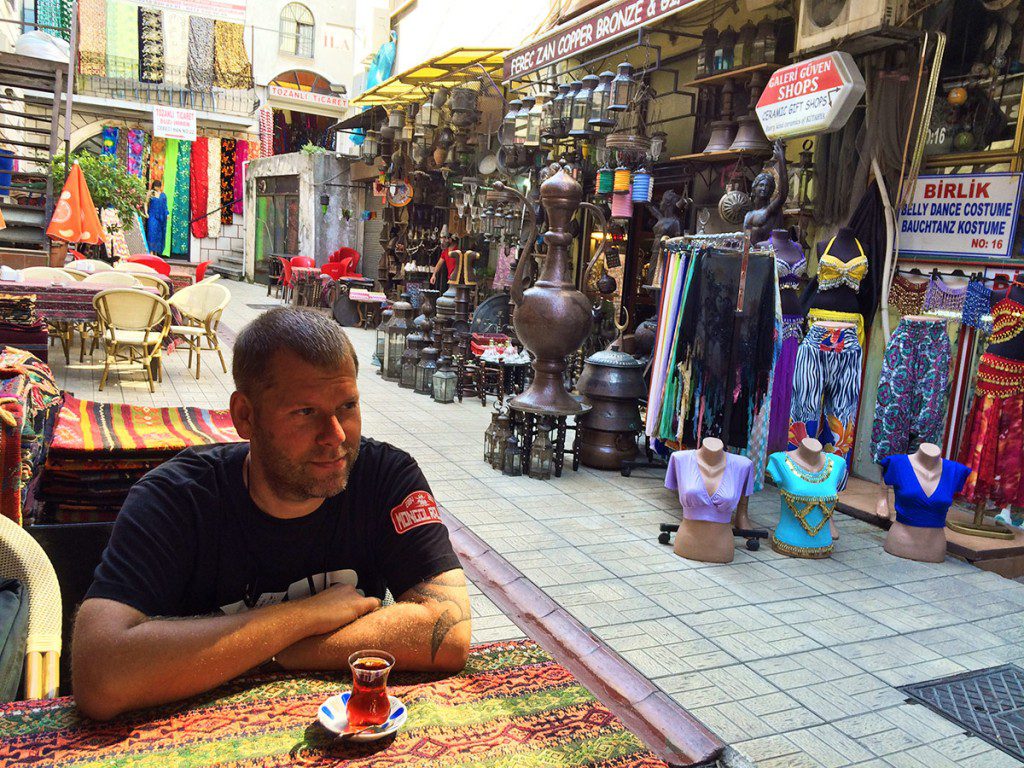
750, 136
722, 134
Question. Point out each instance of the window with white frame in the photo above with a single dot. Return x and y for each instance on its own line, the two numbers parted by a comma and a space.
297, 30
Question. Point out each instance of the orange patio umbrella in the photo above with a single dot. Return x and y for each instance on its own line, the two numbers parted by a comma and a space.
74, 217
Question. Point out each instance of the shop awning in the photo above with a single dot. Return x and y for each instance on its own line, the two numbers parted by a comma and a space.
609, 22
371, 118
457, 66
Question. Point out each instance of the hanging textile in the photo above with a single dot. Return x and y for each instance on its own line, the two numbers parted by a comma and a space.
176, 38
156, 222
170, 183
671, 295
266, 123
136, 236
710, 343
92, 41
137, 151
254, 149
231, 67
117, 246
55, 13
198, 186
241, 155
122, 148
758, 446
122, 40
503, 269
227, 179
182, 201
157, 152
200, 54
109, 139
151, 45
282, 131
213, 187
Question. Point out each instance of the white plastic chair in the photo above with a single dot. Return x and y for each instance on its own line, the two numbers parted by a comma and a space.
135, 324
201, 306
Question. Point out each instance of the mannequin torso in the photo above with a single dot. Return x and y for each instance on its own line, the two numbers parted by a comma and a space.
914, 542
809, 482
792, 266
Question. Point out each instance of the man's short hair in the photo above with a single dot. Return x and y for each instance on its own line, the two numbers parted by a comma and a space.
314, 337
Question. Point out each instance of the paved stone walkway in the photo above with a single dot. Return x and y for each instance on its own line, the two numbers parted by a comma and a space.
792, 662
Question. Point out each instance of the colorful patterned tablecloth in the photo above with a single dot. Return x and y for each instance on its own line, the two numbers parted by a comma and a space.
56, 302
512, 707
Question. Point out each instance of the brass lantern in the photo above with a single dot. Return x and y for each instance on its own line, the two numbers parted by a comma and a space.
559, 110
535, 121
541, 452
512, 458
523, 120
601, 118
429, 115
623, 88
371, 145
508, 123
491, 445
744, 55
396, 120
425, 371
578, 125
397, 331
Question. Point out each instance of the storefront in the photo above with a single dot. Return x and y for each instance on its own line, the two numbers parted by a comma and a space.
304, 109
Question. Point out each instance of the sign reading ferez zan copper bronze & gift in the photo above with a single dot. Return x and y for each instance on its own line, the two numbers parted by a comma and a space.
606, 23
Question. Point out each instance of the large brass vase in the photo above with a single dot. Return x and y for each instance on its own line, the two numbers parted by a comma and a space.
552, 318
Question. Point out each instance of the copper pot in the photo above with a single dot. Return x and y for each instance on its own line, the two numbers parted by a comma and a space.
612, 383
552, 317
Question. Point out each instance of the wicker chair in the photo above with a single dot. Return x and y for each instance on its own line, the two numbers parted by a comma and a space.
132, 266
92, 265
135, 324
201, 306
112, 278
23, 559
153, 280
52, 274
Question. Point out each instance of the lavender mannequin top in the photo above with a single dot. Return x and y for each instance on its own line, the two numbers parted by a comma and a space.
684, 476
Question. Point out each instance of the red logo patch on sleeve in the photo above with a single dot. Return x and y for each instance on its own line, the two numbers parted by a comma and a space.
418, 508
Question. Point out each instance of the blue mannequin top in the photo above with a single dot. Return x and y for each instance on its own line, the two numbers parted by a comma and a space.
912, 506
808, 502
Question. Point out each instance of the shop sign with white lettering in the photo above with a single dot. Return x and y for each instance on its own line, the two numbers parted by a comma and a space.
958, 214
172, 123
607, 23
307, 97
810, 97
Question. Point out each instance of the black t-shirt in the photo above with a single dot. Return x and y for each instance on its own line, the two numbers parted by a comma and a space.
190, 541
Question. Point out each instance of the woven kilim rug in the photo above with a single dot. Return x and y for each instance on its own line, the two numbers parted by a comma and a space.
88, 426
512, 707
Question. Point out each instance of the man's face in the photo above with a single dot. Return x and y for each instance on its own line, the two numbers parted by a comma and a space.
305, 428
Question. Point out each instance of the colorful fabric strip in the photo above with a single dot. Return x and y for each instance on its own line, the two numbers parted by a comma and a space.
170, 183
137, 151
200, 54
227, 179
213, 187
176, 48
241, 155
231, 67
151, 45
182, 202
109, 139
92, 44
198, 189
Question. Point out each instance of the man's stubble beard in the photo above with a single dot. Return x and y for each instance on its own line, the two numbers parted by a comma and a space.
293, 481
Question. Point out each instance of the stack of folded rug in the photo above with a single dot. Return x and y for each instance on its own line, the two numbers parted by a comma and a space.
20, 326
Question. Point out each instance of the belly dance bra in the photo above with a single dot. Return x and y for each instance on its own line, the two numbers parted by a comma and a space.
1007, 320
790, 275
834, 272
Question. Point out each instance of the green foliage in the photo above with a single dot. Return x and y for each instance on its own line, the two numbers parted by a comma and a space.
314, 149
109, 182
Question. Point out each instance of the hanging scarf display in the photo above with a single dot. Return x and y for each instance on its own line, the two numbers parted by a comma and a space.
136, 236
92, 41
200, 54
176, 49
157, 152
122, 40
137, 151
213, 187
117, 246
664, 346
182, 201
231, 67
151, 45
109, 139
170, 184
122, 148
503, 269
241, 155
198, 186
227, 179
55, 13
282, 129
266, 123
254, 149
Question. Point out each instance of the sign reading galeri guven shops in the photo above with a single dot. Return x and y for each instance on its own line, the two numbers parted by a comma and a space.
961, 214
607, 23
813, 96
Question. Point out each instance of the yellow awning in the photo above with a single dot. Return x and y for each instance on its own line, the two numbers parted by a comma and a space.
449, 69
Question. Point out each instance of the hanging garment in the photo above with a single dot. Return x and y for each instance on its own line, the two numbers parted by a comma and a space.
254, 149
808, 501
943, 299
282, 131
912, 391
977, 304
92, 42
213, 187
198, 190
227, 180
906, 295
664, 349
913, 506
241, 155
137, 152
782, 387
266, 124
683, 476
826, 389
710, 343
157, 156
829, 316
231, 67
170, 184
675, 401
757, 446
503, 269
868, 224
109, 139
176, 48
122, 40
156, 223
136, 236
200, 54
151, 45
182, 202
121, 151
117, 246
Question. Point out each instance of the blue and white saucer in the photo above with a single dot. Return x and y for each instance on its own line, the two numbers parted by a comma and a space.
333, 715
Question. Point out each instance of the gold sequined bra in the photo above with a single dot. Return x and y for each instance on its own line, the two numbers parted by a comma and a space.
834, 272
1007, 320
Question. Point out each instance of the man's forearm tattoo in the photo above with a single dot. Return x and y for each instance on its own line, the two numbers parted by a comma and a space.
455, 611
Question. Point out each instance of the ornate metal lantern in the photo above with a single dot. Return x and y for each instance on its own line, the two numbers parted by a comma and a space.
382, 326
443, 389
397, 331
371, 146
579, 127
535, 121
508, 123
512, 457
491, 445
425, 371
558, 123
623, 88
657, 145
396, 119
744, 51
706, 52
541, 452
429, 115
523, 120
601, 118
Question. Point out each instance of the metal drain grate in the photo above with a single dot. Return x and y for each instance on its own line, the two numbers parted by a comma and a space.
989, 703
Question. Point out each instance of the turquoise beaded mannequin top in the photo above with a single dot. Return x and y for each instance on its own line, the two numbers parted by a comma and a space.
808, 502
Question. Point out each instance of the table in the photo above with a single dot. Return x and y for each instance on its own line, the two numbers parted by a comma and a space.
307, 286
61, 302
512, 706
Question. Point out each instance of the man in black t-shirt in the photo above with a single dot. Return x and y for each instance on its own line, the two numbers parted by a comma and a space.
279, 549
